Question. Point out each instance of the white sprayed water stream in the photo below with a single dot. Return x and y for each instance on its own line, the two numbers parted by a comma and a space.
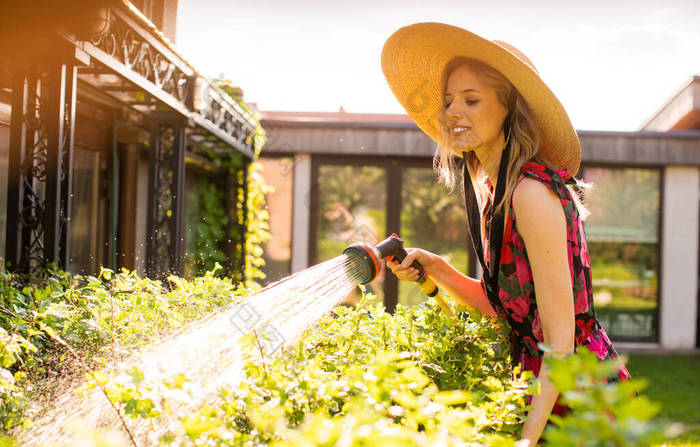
209, 352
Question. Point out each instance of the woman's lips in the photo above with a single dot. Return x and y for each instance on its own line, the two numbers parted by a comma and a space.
460, 132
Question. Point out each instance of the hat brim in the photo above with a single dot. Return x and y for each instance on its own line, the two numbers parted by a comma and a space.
414, 59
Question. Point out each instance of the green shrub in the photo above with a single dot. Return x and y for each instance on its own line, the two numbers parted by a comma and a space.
103, 317
417, 373
602, 414
360, 377
365, 377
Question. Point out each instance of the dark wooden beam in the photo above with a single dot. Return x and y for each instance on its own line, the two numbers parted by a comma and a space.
643, 148
393, 224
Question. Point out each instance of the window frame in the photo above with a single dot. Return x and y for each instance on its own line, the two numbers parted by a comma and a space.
394, 170
659, 236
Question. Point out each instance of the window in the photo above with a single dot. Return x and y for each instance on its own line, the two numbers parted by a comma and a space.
431, 219
623, 240
88, 229
352, 208
366, 200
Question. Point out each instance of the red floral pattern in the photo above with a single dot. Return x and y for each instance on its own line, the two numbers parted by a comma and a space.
517, 303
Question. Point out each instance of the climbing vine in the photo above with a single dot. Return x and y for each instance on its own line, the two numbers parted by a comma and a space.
213, 227
207, 225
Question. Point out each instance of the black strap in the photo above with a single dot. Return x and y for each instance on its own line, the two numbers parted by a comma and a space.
495, 236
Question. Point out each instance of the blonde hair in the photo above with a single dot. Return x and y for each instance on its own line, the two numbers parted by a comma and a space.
524, 140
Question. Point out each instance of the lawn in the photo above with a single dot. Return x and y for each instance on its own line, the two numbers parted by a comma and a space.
674, 383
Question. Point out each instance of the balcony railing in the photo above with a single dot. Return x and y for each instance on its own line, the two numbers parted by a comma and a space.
133, 65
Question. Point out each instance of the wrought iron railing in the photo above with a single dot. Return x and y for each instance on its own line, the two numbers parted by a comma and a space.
130, 62
143, 60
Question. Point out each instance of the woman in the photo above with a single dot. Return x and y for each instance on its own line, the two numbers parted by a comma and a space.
485, 105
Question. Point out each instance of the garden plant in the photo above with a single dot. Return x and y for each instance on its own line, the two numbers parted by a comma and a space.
361, 376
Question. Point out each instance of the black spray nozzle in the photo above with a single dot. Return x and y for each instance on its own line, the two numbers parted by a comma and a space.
392, 249
364, 261
392, 246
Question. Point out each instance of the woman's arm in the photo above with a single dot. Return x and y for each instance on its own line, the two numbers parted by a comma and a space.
542, 226
463, 288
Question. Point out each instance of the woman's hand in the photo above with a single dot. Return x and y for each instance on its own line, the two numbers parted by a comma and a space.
405, 272
461, 287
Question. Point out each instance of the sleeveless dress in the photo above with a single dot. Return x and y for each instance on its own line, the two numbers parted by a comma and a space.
517, 303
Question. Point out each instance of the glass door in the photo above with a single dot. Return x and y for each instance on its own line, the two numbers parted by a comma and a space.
432, 219
352, 206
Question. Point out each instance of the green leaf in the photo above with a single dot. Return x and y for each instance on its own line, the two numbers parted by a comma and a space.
453, 397
136, 374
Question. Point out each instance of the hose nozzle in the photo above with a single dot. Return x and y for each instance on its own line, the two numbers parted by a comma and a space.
364, 261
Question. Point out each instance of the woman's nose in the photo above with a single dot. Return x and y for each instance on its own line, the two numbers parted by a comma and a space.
453, 111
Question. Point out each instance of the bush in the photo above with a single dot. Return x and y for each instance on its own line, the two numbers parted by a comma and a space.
413, 376
361, 376
102, 317
602, 414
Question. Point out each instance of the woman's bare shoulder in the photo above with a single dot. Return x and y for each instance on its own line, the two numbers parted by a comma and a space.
535, 201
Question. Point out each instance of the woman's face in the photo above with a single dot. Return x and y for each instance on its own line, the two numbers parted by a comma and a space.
473, 113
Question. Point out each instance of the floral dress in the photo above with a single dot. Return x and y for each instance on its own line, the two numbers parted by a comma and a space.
517, 302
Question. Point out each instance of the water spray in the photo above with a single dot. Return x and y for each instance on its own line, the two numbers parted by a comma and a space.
364, 265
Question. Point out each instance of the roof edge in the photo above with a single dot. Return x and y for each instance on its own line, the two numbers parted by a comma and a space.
694, 78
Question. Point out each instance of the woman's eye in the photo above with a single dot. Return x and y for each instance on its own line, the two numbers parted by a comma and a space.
469, 102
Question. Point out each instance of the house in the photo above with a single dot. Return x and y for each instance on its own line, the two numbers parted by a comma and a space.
106, 131
343, 177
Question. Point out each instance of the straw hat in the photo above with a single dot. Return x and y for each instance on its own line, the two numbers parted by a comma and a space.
413, 62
